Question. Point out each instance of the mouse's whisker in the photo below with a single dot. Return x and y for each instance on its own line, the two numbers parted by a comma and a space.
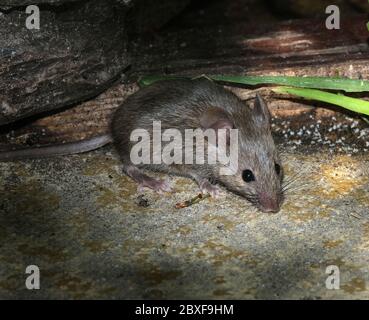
253, 200
293, 176
289, 185
283, 156
296, 187
292, 188
251, 197
291, 180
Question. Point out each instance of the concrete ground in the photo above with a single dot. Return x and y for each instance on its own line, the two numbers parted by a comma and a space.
82, 222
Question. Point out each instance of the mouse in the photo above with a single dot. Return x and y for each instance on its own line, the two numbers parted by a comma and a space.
191, 104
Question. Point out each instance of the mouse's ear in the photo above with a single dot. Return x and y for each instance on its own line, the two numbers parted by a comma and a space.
261, 112
216, 118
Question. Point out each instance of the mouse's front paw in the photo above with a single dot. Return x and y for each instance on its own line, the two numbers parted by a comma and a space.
207, 187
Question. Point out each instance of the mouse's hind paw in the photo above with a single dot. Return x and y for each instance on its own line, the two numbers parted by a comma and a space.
144, 181
158, 186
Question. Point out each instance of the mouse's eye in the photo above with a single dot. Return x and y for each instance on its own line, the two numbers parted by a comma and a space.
248, 176
277, 168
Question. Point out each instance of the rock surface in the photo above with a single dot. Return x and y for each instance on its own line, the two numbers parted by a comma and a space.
82, 222
80, 49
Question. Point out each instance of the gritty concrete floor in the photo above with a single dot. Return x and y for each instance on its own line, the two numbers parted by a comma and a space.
81, 221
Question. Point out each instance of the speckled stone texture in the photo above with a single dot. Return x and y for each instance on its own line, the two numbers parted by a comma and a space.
82, 222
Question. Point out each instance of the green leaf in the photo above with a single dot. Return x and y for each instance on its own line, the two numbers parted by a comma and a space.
300, 86
348, 85
353, 104
344, 84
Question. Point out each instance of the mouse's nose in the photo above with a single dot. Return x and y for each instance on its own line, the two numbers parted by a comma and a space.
269, 204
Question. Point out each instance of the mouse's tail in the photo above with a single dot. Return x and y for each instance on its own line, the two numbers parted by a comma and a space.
57, 149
